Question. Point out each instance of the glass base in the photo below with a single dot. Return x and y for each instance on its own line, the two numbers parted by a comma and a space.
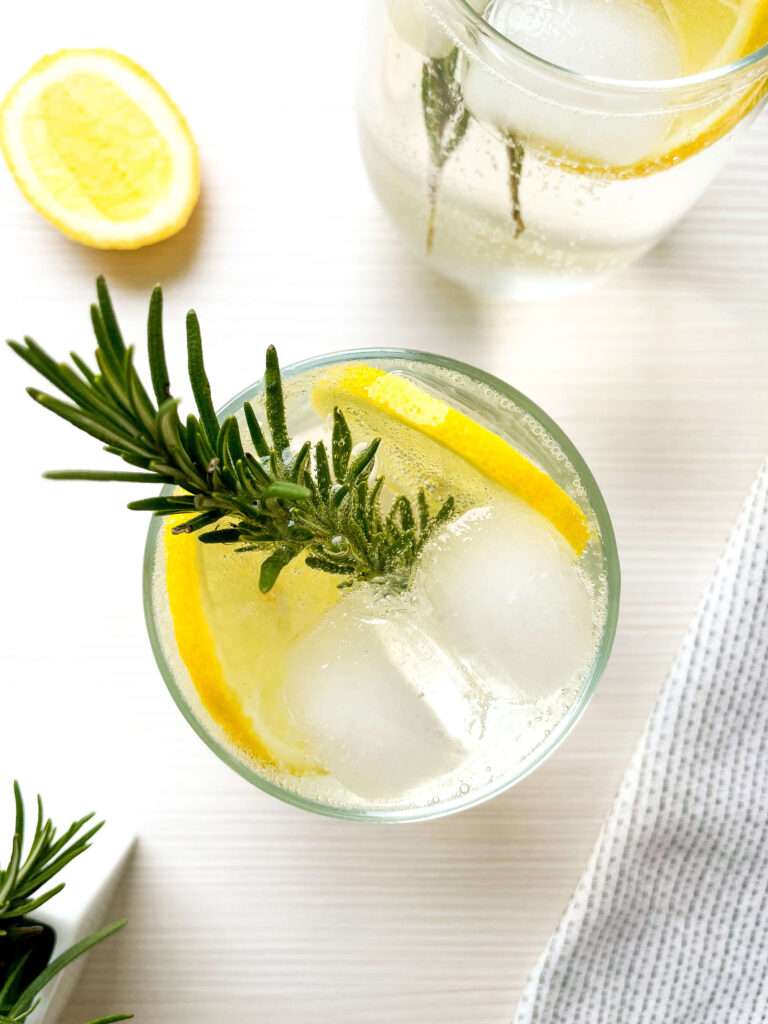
519, 284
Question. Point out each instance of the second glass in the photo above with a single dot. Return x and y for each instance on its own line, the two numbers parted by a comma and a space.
512, 174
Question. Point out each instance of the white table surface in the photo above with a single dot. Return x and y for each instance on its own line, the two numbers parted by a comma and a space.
241, 908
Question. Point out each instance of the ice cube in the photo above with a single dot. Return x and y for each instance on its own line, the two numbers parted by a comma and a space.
382, 707
618, 39
416, 26
508, 602
611, 38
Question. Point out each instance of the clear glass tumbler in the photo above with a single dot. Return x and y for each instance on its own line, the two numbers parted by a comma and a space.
514, 175
508, 413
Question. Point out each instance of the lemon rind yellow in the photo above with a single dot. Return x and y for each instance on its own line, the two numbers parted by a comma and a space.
488, 452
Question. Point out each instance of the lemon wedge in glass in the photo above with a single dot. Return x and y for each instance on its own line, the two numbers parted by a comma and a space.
707, 34
375, 399
233, 640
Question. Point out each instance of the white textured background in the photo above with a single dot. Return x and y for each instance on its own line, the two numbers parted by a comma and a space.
241, 908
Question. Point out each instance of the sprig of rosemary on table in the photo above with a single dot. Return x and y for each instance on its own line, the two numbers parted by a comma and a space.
24, 875
326, 505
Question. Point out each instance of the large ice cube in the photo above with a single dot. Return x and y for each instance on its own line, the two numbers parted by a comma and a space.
612, 38
618, 39
382, 706
508, 602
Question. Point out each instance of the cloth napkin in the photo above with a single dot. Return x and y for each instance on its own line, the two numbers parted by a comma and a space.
670, 920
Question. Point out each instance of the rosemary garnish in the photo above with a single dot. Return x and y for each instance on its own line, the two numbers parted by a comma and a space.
446, 120
515, 157
328, 506
20, 882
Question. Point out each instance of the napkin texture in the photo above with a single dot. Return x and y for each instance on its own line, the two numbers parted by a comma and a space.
670, 920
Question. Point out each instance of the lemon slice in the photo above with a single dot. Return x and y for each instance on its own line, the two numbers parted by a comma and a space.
233, 639
710, 34
360, 387
100, 150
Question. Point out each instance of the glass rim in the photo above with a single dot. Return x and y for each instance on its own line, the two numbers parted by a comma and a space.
558, 733
618, 85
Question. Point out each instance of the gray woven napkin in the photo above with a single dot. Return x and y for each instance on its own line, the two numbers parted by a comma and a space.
670, 920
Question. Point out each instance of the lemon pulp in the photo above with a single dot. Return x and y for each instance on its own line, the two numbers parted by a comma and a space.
98, 147
713, 33
233, 640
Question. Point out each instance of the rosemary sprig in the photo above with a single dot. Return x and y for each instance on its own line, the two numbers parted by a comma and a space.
328, 506
24, 875
515, 157
446, 119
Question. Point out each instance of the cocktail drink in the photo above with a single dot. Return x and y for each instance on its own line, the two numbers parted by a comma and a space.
380, 585
384, 700
536, 146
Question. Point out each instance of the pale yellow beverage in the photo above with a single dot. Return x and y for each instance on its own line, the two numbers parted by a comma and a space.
381, 702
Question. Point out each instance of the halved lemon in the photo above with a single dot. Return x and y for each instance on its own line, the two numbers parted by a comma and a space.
233, 640
372, 393
100, 149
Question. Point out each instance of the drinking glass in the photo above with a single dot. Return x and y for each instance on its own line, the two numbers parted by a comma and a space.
521, 423
513, 175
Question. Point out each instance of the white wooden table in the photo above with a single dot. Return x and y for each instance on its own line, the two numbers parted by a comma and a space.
241, 908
